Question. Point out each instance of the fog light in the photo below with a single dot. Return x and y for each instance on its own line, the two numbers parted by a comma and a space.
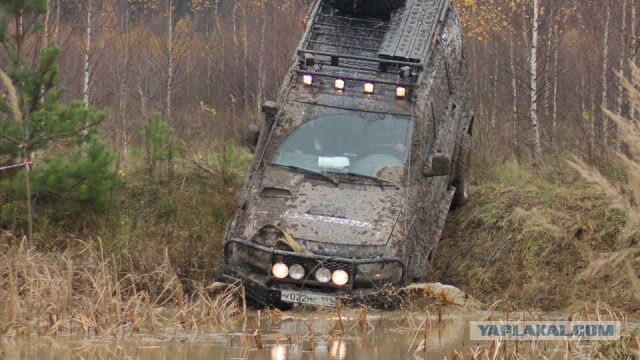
307, 79
280, 270
323, 275
401, 91
339, 84
340, 277
368, 88
296, 272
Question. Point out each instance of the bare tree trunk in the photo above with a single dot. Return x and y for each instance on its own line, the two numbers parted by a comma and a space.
245, 57
87, 54
554, 115
261, 72
122, 101
56, 28
623, 55
634, 41
234, 21
605, 64
592, 130
209, 60
537, 148
583, 110
47, 11
514, 89
547, 80
494, 89
170, 63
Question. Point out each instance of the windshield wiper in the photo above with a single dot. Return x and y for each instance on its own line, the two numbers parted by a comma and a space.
307, 171
379, 180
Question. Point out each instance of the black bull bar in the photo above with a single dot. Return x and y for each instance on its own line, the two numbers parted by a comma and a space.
350, 265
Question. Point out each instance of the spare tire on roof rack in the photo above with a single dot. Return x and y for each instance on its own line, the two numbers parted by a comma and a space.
378, 8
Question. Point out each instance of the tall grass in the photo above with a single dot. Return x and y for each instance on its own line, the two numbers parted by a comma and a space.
158, 247
84, 291
625, 254
525, 238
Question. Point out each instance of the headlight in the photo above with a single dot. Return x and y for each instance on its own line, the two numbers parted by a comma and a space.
296, 272
280, 270
323, 275
340, 277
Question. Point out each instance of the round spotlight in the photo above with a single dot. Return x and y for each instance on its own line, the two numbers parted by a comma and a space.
280, 270
340, 277
296, 272
323, 275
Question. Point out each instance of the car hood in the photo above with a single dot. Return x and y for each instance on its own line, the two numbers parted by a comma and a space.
345, 214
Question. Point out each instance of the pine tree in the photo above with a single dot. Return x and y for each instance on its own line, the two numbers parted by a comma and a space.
76, 170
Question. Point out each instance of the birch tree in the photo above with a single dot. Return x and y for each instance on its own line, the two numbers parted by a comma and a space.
533, 69
87, 52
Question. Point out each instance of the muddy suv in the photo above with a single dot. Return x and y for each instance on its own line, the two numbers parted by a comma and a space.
359, 162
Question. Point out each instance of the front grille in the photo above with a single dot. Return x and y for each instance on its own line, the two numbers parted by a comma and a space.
238, 251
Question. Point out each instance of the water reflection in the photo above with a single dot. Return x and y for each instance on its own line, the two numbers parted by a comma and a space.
279, 352
301, 337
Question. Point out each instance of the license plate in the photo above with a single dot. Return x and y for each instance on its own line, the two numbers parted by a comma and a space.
307, 298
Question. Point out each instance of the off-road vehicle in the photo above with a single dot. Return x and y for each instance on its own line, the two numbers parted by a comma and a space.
357, 164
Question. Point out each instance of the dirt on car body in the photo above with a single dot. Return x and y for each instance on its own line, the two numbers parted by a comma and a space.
358, 163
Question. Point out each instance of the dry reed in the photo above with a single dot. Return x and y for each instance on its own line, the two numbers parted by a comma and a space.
83, 291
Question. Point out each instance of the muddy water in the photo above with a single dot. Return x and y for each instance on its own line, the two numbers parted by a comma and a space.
292, 335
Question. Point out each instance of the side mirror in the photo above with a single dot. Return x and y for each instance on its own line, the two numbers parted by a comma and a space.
439, 165
269, 109
253, 134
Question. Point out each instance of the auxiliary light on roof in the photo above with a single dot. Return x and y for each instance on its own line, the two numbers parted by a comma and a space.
307, 79
368, 88
401, 91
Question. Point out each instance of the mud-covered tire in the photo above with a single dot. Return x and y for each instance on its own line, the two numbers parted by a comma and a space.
367, 7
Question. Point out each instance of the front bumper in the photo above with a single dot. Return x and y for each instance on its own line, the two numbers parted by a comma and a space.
251, 263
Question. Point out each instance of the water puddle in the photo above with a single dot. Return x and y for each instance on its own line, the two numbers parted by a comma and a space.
291, 335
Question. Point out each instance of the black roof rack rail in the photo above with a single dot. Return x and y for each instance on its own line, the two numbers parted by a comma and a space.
363, 58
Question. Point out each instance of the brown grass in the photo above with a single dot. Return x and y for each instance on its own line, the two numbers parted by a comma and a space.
82, 291
528, 240
624, 198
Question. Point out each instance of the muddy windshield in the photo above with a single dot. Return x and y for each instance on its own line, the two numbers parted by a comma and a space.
374, 145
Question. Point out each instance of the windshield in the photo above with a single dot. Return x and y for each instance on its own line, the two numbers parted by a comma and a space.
373, 145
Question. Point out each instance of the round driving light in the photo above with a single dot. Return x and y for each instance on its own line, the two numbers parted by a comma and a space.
296, 272
323, 275
280, 270
340, 277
